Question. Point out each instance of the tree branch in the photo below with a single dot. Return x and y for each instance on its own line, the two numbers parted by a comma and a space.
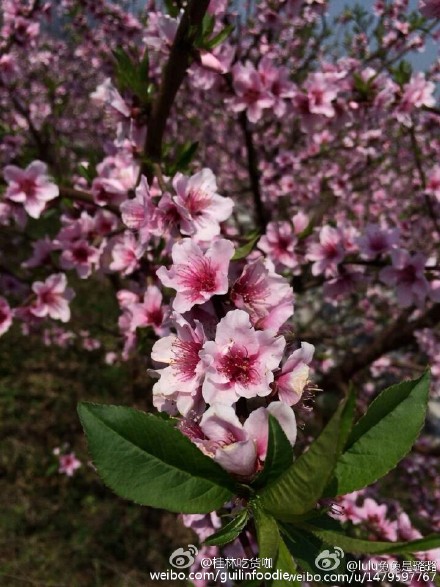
422, 176
262, 215
173, 76
79, 196
397, 335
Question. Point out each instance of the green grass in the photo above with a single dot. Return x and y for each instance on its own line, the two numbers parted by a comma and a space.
60, 531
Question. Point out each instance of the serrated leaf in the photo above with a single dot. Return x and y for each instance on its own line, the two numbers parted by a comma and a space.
382, 437
303, 546
285, 564
268, 535
144, 459
229, 531
306, 548
243, 251
359, 546
279, 455
302, 485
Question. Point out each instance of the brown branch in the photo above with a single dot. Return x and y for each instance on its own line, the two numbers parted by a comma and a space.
79, 196
422, 176
262, 215
395, 336
173, 76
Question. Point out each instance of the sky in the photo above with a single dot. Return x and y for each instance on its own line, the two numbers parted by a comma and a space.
419, 61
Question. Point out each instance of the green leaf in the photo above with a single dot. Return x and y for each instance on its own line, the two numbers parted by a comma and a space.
302, 485
131, 75
306, 548
243, 252
172, 8
303, 546
279, 455
208, 25
186, 156
219, 38
285, 564
359, 546
382, 437
229, 531
362, 86
403, 72
268, 535
125, 69
144, 67
144, 459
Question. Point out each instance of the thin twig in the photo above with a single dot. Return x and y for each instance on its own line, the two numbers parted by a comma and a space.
173, 76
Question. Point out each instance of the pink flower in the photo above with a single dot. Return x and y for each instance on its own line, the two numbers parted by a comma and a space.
30, 187
137, 213
328, 253
265, 295
104, 222
197, 276
227, 441
240, 362
294, 375
418, 92
407, 275
300, 222
166, 218
217, 6
210, 61
279, 243
150, 312
180, 382
433, 183
241, 448
80, 256
321, 91
106, 94
406, 531
205, 74
53, 298
202, 524
257, 425
6, 315
375, 516
347, 510
41, 254
68, 464
161, 30
200, 206
251, 93
430, 8
106, 190
377, 240
345, 282
277, 83
126, 254
8, 68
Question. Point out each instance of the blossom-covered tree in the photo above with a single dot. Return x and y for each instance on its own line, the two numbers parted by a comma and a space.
258, 184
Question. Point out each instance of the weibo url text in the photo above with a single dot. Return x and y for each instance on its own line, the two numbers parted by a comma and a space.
252, 575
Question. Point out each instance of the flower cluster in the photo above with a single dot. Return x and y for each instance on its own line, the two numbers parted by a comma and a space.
275, 166
381, 521
221, 358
